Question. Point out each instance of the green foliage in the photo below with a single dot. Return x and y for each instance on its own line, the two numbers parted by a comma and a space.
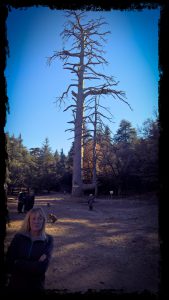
126, 163
19, 162
125, 133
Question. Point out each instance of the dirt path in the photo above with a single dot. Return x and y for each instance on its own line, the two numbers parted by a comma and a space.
113, 247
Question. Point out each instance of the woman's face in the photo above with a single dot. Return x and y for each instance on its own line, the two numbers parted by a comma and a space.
36, 222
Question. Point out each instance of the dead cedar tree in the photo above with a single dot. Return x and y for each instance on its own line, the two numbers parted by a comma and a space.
83, 57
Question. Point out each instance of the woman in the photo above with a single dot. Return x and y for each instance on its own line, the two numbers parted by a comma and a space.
29, 253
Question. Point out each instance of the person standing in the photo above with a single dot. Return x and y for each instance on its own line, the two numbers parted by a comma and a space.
29, 201
29, 254
21, 201
32, 200
91, 201
111, 194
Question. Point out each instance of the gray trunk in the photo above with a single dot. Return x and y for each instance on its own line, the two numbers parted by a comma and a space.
94, 152
77, 159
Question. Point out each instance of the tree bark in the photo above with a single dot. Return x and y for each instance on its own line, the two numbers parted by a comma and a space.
77, 158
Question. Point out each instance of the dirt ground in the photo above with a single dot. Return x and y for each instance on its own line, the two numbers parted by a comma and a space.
113, 247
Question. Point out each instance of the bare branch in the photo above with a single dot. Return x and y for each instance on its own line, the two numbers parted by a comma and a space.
114, 93
74, 94
68, 107
60, 99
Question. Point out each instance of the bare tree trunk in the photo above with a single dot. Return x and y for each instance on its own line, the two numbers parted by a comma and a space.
94, 151
77, 159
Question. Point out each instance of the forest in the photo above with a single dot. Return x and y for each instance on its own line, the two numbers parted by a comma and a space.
126, 162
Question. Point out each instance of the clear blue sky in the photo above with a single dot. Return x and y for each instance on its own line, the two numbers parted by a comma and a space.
32, 86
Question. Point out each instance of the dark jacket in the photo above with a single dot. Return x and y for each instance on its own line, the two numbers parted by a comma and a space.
27, 273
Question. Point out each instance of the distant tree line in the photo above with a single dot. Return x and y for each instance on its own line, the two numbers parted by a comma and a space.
126, 162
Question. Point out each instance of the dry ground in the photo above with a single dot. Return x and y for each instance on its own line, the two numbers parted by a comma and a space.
113, 247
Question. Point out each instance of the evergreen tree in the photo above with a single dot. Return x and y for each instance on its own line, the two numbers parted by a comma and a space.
19, 162
126, 134
47, 167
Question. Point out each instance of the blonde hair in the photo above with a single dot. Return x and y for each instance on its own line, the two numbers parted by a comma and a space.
25, 227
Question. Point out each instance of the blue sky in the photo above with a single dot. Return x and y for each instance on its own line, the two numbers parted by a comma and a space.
32, 86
